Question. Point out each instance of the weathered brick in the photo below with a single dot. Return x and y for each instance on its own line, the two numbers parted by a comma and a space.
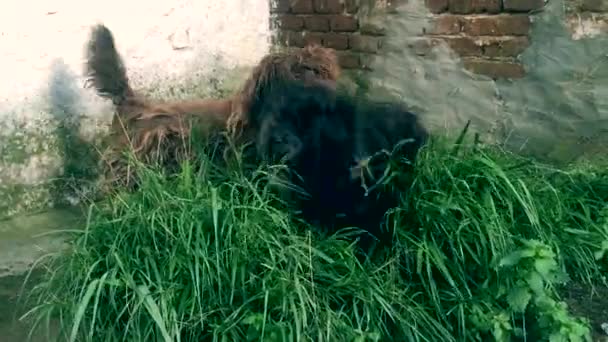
317, 23
464, 46
313, 38
594, 5
447, 24
486, 6
494, 68
348, 60
335, 41
344, 23
422, 46
474, 6
302, 6
498, 25
437, 6
372, 29
460, 6
489, 6
522, 5
360, 43
328, 6
290, 22
352, 6
290, 38
279, 6
503, 46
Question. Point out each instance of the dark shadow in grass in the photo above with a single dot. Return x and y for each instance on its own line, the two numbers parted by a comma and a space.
80, 158
591, 303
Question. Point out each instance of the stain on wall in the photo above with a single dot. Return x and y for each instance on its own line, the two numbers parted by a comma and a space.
49, 123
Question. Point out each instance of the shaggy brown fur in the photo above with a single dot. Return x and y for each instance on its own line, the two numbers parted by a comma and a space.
159, 131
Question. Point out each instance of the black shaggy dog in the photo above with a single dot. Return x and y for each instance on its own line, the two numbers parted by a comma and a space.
325, 138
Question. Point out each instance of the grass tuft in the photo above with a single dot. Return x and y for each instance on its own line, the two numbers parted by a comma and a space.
483, 241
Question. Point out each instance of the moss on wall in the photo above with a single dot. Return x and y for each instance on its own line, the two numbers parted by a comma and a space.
48, 162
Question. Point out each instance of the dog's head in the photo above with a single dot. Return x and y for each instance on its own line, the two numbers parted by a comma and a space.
315, 62
312, 65
292, 119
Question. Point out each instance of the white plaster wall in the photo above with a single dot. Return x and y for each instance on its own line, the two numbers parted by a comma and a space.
159, 39
164, 43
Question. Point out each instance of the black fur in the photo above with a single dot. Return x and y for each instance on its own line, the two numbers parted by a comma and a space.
105, 69
323, 135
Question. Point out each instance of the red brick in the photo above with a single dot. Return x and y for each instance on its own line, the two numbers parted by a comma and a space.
372, 29
522, 5
447, 24
503, 46
290, 22
486, 6
594, 5
312, 38
352, 6
317, 23
495, 69
344, 23
499, 25
360, 43
290, 38
279, 6
464, 46
335, 41
328, 6
460, 6
474, 6
437, 6
349, 60
302, 6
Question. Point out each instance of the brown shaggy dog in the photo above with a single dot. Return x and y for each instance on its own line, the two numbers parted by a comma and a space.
158, 132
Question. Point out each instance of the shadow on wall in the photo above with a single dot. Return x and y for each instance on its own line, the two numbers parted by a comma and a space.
558, 111
80, 157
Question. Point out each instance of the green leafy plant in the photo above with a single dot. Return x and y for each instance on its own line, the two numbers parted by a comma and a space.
536, 271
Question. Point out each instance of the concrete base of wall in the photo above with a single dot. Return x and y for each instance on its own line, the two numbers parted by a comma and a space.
23, 241
11, 329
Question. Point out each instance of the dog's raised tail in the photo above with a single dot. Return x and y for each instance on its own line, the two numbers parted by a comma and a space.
105, 70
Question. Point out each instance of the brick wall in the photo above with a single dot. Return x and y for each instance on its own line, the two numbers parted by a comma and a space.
332, 23
487, 34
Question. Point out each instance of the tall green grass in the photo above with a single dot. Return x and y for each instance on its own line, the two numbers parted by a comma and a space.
482, 240
487, 235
